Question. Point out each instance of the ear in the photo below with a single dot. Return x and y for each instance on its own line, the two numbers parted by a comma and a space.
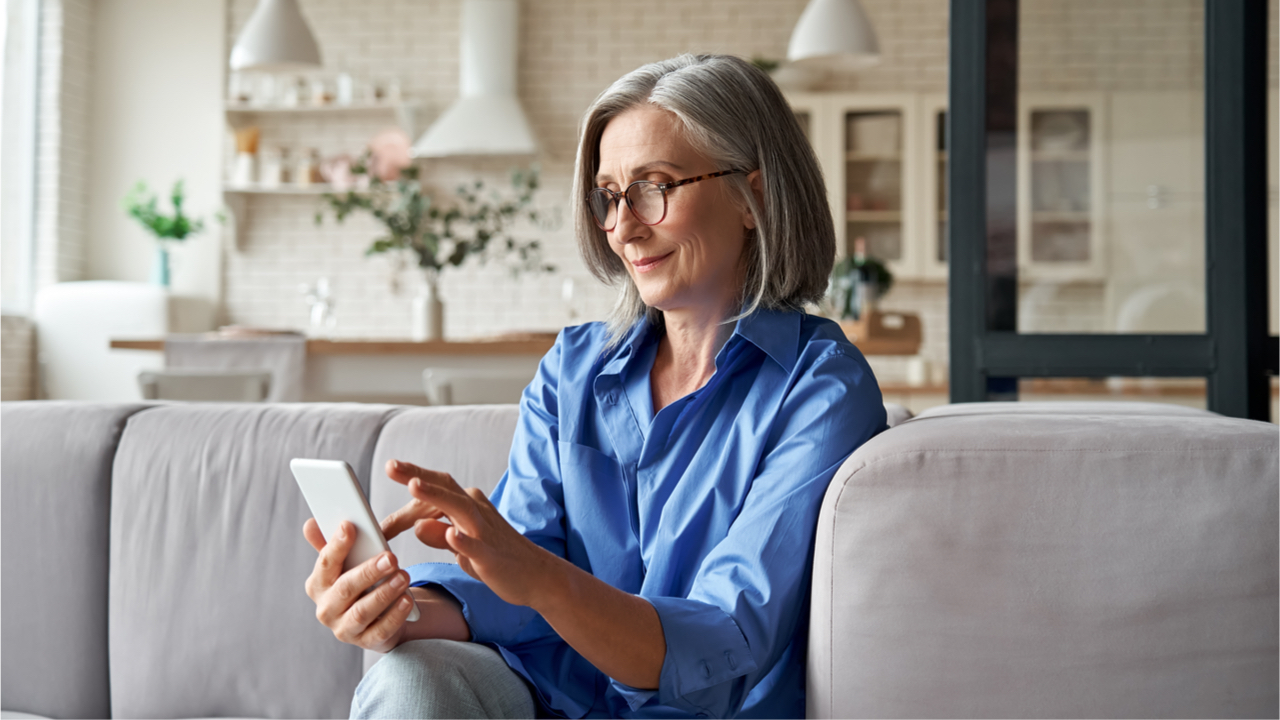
754, 179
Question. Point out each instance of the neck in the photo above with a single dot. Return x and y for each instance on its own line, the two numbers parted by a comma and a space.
687, 351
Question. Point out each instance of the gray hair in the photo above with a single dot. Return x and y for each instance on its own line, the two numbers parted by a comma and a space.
732, 113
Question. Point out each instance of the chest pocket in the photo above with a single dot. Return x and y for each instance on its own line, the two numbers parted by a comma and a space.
598, 503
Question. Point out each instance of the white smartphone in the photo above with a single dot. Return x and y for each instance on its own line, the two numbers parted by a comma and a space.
333, 493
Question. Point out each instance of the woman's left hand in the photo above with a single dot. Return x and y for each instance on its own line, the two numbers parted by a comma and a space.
487, 547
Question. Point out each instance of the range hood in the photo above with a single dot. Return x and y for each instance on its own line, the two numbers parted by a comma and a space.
487, 119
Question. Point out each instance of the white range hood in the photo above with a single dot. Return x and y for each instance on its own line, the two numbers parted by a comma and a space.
487, 119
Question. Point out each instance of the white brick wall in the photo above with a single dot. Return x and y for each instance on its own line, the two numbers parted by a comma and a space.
62, 156
17, 358
571, 50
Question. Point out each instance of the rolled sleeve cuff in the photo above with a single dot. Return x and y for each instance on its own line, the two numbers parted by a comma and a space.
491, 619
704, 648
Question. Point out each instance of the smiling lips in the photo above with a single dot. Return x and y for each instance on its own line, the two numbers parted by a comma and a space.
644, 265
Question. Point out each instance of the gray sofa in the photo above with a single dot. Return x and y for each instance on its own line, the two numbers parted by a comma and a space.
985, 560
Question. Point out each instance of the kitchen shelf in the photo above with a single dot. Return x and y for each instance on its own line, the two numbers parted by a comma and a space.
318, 109
282, 190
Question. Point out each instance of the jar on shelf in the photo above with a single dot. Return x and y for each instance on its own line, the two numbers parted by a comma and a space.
307, 170
271, 167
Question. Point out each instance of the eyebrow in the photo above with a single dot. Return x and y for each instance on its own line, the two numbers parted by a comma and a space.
643, 169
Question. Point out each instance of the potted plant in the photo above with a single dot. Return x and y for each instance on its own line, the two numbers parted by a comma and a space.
858, 282
143, 205
437, 236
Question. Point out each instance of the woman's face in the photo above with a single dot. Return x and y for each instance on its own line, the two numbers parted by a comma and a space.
691, 261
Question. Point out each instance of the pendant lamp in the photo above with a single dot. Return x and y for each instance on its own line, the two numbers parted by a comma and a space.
276, 38
834, 34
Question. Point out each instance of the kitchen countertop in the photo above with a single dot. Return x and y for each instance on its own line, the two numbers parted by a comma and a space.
527, 344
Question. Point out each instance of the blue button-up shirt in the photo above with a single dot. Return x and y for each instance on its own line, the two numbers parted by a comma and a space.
707, 509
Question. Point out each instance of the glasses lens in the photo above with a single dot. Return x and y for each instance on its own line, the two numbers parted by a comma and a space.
646, 201
603, 208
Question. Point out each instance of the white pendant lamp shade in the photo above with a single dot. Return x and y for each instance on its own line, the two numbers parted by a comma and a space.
835, 34
487, 119
276, 38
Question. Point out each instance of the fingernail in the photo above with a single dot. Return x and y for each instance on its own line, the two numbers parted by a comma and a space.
399, 465
384, 563
398, 582
404, 603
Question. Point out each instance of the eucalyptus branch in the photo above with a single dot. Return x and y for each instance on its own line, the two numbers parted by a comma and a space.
443, 237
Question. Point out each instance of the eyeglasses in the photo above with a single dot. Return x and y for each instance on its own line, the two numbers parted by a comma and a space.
647, 200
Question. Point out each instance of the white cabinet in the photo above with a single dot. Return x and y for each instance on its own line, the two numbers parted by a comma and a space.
1061, 187
868, 146
884, 158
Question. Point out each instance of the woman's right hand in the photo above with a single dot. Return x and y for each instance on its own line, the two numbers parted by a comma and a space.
375, 621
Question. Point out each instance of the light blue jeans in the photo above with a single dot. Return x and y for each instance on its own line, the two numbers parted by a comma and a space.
442, 679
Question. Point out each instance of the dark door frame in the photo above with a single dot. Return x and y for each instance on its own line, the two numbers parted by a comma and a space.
1237, 353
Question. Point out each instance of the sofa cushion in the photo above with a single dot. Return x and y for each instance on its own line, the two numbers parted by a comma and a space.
1048, 562
208, 615
56, 471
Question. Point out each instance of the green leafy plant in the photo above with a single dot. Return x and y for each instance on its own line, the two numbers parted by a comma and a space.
443, 236
855, 277
143, 205
766, 64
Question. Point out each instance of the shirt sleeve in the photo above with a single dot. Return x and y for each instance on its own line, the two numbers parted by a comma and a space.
750, 592
530, 496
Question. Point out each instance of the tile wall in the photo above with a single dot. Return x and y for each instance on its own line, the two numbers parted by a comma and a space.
570, 51
17, 358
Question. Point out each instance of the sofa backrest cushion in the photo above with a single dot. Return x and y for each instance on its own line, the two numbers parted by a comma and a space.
208, 615
56, 474
470, 442
1050, 562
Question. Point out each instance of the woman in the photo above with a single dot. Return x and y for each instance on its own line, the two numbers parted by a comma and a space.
648, 552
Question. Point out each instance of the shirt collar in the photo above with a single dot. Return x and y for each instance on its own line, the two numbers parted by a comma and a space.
775, 332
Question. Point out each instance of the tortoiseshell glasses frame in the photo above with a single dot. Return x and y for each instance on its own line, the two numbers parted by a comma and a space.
642, 197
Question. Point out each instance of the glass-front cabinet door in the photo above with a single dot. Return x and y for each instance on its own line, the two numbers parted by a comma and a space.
1061, 191
867, 145
876, 179
933, 111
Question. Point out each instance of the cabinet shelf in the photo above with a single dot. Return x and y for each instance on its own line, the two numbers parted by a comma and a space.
1079, 156
881, 216
1061, 216
869, 157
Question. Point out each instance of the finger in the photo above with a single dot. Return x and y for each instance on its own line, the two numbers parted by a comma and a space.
460, 543
328, 565
455, 504
365, 611
311, 531
386, 624
431, 532
402, 472
404, 518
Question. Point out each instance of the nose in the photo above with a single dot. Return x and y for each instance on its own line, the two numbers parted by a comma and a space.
628, 229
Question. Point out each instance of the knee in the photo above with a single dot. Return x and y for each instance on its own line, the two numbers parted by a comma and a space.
410, 664
441, 679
